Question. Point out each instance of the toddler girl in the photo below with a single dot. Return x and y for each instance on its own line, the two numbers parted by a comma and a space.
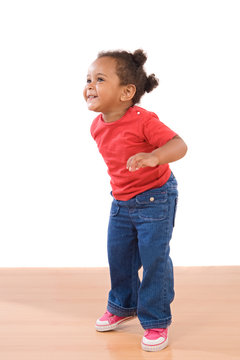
137, 148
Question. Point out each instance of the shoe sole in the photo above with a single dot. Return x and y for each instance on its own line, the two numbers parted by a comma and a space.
156, 347
112, 326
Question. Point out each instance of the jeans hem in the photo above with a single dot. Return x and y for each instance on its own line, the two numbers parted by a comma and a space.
156, 324
121, 311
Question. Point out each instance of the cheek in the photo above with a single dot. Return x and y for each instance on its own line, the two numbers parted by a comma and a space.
85, 93
105, 92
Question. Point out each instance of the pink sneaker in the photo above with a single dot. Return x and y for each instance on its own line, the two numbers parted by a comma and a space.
109, 321
155, 339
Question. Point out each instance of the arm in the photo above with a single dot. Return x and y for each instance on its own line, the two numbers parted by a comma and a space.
173, 150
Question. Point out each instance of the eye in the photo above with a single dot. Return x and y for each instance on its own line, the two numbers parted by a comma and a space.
99, 79
88, 81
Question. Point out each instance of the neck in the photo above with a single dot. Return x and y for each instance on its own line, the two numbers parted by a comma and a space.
115, 115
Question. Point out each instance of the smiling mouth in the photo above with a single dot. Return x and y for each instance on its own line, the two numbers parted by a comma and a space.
90, 97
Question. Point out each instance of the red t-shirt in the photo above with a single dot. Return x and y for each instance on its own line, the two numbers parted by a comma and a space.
137, 131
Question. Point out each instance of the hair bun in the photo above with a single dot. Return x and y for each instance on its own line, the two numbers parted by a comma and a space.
139, 57
151, 83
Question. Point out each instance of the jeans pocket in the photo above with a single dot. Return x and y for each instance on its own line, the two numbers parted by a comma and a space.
153, 205
114, 209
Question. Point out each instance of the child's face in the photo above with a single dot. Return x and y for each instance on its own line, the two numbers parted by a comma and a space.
103, 91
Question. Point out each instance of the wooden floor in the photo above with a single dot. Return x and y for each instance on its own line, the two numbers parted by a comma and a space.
49, 314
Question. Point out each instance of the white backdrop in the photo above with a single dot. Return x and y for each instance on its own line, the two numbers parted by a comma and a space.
54, 188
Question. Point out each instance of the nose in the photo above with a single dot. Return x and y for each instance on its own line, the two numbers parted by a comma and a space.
90, 86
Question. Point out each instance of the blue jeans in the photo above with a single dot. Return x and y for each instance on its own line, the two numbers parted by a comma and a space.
139, 233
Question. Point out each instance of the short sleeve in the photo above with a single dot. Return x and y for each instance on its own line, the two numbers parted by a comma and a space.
93, 127
155, 132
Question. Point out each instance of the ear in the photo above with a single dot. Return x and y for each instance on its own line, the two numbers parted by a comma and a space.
128, 92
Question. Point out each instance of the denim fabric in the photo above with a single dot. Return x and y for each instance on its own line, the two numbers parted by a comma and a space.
139, 234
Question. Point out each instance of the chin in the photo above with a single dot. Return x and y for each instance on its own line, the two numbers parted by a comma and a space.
93, 109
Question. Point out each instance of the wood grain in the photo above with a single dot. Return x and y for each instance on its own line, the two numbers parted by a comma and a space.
50, 313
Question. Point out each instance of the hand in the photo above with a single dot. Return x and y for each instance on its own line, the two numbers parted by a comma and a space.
141, 160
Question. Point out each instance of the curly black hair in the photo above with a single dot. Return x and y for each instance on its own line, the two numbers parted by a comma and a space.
130, 70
